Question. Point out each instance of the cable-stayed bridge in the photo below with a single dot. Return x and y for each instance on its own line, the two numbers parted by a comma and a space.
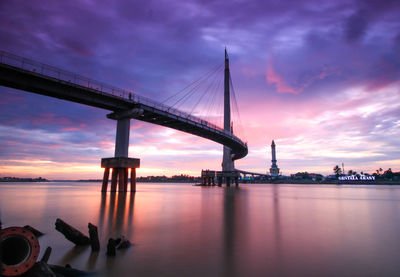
32, 76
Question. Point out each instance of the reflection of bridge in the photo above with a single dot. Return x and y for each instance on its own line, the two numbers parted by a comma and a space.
24, 74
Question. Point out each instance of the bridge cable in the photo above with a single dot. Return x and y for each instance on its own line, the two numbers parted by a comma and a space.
212, 112
196, 84
220, 106
191, 96
208, 110
240, 125
192, 83
208, 89
190, 93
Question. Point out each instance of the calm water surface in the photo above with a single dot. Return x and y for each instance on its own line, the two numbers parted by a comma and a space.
183, 230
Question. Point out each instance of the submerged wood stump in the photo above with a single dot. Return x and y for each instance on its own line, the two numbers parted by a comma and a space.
71, 233
46, 255
94, 238
40, 269
68, 271
124, 244
112, 244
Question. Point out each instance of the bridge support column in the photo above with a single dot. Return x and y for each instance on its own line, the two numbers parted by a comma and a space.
121, 179
114, 178
126, 179
207, 177
229, 177
122, 137
133, 179
105, 179
120, 168
120, 164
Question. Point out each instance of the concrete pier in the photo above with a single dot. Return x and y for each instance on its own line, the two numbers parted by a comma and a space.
229, 177
120, 164
120, 167
122, 137
208, 177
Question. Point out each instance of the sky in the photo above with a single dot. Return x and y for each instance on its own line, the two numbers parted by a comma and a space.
321, 78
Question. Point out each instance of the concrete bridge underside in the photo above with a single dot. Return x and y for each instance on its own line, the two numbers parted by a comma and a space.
121, 107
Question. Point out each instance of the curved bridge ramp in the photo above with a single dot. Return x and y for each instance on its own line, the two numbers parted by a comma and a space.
28, 75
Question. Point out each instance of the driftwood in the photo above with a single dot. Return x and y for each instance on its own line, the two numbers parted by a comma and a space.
34, 231
46, 255
124, 244
68, 271
94, 238
112, 243
117, 241
40, 269
71, 233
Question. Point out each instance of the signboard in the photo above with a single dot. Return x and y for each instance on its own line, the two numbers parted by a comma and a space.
357, 178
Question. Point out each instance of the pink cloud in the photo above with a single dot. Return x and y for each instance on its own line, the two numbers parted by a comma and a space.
70, 129
249, 71
281, 86
51, 118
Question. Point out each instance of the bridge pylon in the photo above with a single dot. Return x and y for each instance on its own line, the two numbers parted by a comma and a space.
120, 163
228, 174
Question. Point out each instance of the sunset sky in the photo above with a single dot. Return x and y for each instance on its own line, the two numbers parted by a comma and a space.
321, 78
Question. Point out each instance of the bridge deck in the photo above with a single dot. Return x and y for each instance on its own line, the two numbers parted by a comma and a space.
24, 74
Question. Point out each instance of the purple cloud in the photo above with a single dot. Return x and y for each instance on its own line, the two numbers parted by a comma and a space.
303, 72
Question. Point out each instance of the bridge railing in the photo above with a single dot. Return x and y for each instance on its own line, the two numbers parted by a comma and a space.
101, 88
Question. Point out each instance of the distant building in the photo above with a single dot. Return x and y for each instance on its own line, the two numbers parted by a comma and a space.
274, 170
307, 176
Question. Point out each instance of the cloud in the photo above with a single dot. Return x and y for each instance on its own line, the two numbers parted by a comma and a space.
334, 65
356, 26
281, 86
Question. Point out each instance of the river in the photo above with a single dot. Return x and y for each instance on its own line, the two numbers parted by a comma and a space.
186, 230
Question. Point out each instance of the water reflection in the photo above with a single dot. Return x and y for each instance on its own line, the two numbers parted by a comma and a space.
115, 220
277, 231
116, 213
92, 261
71, 255
252, 233
229, 229
253, 230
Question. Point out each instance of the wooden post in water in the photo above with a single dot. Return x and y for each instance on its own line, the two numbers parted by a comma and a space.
94, 237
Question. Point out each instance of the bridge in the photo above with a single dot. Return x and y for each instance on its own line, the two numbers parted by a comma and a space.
32, 76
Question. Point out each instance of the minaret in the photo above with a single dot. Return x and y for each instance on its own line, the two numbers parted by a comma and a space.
227, 163
274, 170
